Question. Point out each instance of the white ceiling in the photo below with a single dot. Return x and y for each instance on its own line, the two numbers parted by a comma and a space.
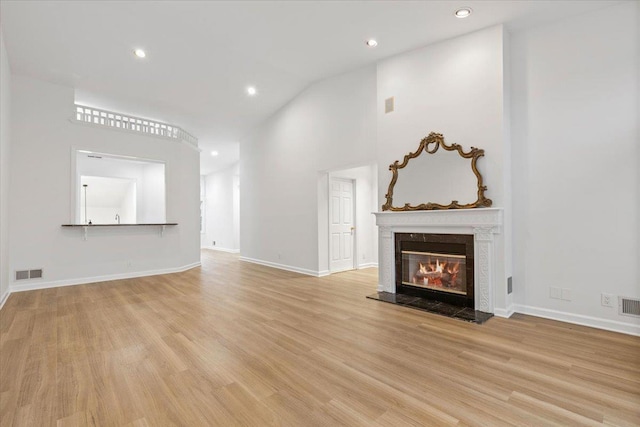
202, 55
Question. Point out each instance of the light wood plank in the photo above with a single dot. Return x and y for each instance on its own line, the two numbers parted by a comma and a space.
233, 343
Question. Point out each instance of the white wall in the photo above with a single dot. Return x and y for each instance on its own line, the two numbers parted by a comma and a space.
222, 195
5, 135
576, 159
151, 194
127, 209
330, 125
456, 88
100, 215
40, 198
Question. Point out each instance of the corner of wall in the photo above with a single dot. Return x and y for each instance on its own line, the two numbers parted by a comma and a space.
280, 189
5, 148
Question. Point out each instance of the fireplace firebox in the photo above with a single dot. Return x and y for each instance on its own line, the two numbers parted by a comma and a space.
438, 267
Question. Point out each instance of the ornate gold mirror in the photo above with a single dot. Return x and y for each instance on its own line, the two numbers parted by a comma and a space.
446, 179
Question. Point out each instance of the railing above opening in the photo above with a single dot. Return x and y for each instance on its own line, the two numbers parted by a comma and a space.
114, 120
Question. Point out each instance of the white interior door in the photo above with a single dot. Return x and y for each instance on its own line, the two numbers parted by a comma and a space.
341, 225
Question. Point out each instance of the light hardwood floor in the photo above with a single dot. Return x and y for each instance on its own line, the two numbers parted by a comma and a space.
234, 343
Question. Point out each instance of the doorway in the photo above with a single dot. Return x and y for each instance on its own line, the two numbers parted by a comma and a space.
362, 241
341, 224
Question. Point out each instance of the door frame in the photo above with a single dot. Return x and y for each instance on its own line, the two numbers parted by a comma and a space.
354, 252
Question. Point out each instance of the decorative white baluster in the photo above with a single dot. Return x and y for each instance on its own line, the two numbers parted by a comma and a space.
120, 121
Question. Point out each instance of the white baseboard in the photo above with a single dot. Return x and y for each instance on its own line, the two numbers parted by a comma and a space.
4, 298
218, 248
579, 319
368, 265
85, 280
313, 273
504, 312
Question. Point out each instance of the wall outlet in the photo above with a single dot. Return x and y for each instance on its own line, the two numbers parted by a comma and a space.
129, 263
608, 300
279, 256
554, 293
363, 257
566, 294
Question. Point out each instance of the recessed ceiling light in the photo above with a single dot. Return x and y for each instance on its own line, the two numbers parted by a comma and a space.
251, 91
214, 153
372, 43
139, 53
463, 12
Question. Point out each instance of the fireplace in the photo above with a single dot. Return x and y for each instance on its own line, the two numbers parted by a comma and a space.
484, 224
436, 266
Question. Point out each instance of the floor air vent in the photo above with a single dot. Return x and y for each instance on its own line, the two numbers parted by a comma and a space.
629, 307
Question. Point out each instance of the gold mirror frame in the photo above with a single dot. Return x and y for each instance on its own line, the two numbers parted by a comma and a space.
437, 140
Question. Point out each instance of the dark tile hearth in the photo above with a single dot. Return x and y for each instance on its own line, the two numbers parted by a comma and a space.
461, 313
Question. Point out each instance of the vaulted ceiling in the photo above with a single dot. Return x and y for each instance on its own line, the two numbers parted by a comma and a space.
202, 55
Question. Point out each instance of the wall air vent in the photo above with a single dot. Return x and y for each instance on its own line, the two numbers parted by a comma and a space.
629, 307
29, 274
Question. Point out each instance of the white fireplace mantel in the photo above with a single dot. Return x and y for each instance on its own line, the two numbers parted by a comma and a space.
483, 223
